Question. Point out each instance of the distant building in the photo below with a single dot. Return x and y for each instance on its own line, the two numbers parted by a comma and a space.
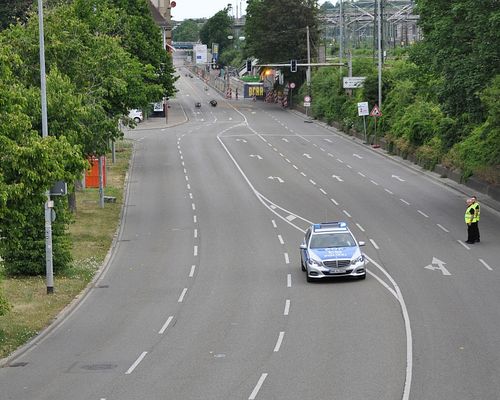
160, 9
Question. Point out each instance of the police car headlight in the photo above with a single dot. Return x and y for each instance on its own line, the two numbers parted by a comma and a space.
315, 263
357, 260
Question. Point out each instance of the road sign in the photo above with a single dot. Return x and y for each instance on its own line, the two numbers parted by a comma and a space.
375, 112
307, 104
363, 109
307, 99
292, 85
353, 82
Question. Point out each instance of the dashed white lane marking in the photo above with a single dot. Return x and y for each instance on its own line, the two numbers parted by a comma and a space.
188, 186
361, 174
422, 213
289, 280
195, 251
195, 233
404, 201
194, 219
287, 307
193, 206
165, 325
348, 166
279, 341
303, 174
443, 228
274, 223
310, 180
136, 363
257, 387
294, 166
375, 183
287, 260
187, 178
486, 265
463, 244
322, 190
185, 171
334, 202
181, 297
190, 195
374, 244
388, 191
340, 161
287, 160
191, 273
346, 213
280, 238
360, 227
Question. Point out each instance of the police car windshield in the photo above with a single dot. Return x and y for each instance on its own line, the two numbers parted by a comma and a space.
338, 239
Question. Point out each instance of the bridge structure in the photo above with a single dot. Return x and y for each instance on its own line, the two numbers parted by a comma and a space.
183, 45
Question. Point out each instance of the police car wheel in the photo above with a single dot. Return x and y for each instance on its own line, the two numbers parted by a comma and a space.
302, 264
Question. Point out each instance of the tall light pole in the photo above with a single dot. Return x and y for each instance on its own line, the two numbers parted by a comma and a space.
45, 132
379, 45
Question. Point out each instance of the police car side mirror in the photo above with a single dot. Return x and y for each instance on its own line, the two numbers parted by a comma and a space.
361, 243
303, 246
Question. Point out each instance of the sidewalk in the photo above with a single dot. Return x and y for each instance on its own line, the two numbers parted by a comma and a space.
175, 116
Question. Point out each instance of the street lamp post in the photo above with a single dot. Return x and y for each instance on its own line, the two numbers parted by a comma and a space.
45, 132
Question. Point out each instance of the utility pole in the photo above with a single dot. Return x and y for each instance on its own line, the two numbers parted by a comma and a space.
379, 45
341, 25
308, 74
49, 269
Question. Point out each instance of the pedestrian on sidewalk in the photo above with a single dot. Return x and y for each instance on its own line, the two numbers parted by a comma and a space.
469, 219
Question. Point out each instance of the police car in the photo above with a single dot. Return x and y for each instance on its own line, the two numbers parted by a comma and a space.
329, 250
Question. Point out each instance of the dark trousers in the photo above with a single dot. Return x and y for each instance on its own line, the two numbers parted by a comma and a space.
475, 232
470, 233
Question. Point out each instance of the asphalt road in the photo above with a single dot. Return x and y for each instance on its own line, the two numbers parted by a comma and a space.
204, 297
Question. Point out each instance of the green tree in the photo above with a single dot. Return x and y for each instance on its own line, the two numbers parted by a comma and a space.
275, 35
216, 30
13, 11
461, 45
187, 31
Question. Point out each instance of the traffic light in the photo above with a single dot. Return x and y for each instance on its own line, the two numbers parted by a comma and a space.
249, 65
293, 65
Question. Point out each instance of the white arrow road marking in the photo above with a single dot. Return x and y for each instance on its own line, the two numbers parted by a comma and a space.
357, 156
256, 155
338, 178
241, 140
306, 155
398, 178
276, 177
438, 265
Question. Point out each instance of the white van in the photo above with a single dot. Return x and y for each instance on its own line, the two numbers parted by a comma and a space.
136, 115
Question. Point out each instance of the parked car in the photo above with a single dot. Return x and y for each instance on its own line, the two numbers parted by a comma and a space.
197, 104
213, 103
136, 115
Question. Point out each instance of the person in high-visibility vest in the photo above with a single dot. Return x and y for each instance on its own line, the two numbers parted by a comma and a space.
469, 219
477, 216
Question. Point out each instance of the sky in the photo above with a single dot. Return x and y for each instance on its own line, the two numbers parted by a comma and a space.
186, 9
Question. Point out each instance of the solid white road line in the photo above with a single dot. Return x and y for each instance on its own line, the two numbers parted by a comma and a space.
191, 273
278, 343
289, 280
486, 265
287, 307
181, 297
165, 325
136, 363
257, 387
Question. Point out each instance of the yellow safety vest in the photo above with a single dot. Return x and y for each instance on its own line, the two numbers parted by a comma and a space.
477, 212
469, 217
